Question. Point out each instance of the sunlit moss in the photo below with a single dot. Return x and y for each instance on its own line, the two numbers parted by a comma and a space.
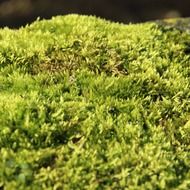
90, 104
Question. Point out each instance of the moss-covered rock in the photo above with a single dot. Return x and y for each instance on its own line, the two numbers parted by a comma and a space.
90, 104
182, 24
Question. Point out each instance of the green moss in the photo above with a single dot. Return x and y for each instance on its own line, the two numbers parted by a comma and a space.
90, 104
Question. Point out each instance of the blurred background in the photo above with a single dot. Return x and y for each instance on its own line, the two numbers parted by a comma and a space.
16, 13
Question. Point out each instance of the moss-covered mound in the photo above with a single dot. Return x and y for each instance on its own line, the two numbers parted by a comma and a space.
90, 104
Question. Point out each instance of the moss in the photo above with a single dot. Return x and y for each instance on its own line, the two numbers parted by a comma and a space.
182, 24
90, 104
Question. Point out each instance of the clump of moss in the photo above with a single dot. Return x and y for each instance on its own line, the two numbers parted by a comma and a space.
90, 104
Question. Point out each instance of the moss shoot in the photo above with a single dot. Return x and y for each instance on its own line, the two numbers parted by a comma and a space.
90, 104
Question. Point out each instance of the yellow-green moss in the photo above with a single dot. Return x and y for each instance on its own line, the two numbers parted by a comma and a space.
90, 104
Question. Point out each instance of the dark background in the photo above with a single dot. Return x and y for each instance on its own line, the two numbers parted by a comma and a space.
16, 13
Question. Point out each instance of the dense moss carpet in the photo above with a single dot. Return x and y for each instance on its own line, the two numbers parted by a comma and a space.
90, 104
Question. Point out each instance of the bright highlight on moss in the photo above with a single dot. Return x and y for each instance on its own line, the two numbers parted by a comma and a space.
90, 104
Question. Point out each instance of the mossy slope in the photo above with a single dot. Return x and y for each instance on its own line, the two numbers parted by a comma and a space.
89, 104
